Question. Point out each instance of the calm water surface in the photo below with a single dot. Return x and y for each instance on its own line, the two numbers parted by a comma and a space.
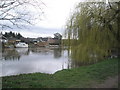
30, 60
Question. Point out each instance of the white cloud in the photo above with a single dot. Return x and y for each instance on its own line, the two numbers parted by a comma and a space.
34, 34
57, 12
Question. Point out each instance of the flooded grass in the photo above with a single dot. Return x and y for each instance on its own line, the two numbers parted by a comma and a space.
81, 77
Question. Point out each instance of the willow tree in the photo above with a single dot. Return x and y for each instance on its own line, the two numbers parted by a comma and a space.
93, 31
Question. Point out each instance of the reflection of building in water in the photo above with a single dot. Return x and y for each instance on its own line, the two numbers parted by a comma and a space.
13, 54
22, 51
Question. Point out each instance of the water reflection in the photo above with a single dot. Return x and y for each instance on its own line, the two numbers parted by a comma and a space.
42, 51
10, 54
16, 53
29, 60
23, 51
44, 60
57, 52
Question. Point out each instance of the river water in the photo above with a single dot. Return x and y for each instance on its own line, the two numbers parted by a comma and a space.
30, 60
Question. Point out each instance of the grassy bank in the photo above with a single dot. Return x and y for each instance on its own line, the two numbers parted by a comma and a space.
82, 77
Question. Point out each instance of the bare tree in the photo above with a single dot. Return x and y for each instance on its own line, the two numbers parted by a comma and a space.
19, 12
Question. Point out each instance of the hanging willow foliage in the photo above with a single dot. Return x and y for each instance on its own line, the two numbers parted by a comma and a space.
93, 31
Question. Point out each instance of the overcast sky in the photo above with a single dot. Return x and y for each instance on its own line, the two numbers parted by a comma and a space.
56, 12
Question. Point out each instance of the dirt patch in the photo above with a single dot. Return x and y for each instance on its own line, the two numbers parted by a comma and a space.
111, 82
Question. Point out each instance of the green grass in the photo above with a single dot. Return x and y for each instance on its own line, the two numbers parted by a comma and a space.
81, 77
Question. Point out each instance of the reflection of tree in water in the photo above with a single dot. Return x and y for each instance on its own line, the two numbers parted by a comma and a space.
10, 54
72, 62
57, 52
14, 53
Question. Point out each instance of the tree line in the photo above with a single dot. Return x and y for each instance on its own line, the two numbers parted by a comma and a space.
12, 35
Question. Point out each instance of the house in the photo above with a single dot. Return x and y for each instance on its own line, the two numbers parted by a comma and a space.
12, 40
44, 39
48, 41
43, 44
28, 40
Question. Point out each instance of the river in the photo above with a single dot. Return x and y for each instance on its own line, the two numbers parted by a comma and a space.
30, 60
